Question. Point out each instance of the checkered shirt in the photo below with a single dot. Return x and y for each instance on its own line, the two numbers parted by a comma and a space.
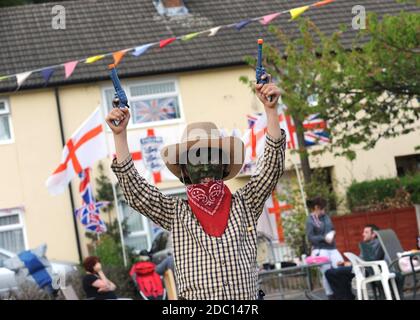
206, 267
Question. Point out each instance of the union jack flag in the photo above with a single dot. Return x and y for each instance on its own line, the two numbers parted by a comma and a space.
155, 109
315, 130
88, 213
252, 119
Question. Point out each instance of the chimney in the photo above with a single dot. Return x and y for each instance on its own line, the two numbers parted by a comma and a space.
170, 7
172, 3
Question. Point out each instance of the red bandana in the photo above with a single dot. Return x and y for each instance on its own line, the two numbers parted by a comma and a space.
210, 203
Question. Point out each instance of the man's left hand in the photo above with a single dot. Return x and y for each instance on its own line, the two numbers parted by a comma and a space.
264, 91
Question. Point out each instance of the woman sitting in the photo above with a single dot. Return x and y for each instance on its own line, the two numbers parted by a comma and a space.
95, 283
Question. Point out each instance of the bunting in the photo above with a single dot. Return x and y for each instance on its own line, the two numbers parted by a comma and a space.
241, 24
69, 67
164, 43
214, 31
47, 73
94, 58
118, 56
322, 3
268, 18
21, 77
138, 51
295, 13
190, 36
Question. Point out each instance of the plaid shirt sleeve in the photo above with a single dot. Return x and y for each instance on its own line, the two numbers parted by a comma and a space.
144, 197
270, 168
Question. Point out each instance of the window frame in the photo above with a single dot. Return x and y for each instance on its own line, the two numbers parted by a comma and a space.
8, 113
130, 83
145, 221
19, 226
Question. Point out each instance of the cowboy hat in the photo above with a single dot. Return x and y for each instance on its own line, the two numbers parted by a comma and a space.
204, 135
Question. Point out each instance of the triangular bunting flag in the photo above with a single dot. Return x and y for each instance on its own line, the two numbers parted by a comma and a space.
190, 36
213, 31
69, 68
94, 58
322, 3
141, 49
118, 56
21, 77
297, 12
164, 43
268, 18
242, 24
47, 73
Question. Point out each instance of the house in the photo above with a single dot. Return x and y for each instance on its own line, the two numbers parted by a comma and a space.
201, 77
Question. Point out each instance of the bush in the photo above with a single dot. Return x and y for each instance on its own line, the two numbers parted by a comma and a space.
109, 251
28, 290
294, 221
383, 194
412, 185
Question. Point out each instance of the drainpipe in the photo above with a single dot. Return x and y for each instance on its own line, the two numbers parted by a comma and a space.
63, 142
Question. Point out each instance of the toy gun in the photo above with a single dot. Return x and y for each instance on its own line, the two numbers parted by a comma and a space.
260, 70
119, 92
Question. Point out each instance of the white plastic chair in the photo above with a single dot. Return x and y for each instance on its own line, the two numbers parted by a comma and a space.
380, 274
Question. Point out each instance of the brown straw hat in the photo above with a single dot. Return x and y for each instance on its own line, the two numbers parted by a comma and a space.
205, 135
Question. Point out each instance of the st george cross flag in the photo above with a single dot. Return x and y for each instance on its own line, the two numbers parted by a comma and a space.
270, 221
86, 146
89, 214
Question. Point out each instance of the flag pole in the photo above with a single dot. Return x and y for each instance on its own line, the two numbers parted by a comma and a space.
302, 192
114, 192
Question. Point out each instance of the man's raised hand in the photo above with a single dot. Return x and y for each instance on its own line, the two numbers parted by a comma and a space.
122, 115
264, 91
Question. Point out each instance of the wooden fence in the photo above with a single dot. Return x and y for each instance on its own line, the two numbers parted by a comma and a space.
349, 228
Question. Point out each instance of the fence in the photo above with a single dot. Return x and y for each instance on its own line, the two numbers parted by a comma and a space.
349, 228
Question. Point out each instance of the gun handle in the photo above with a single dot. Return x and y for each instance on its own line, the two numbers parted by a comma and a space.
115, 122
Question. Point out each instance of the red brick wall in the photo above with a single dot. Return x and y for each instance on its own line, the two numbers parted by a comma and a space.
349, 228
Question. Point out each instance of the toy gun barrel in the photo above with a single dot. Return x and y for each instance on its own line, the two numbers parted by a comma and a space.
259, 60
119, 91
260, 71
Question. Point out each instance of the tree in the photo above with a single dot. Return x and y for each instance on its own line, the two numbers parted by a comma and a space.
111, 240
364, 91
104, 191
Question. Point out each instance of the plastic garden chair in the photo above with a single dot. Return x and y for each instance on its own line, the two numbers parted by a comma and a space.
380, 274
392, 246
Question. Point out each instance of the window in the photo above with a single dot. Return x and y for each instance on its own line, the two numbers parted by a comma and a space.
407, 165
5, 122
137, 234
324, 179
151, 103
12, 230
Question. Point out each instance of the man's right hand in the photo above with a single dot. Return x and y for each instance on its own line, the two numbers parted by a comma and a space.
118, 114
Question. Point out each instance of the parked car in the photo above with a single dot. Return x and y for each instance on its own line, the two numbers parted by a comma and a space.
7, 277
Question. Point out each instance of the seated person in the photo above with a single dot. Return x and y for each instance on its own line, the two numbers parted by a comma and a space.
95, 284
165, 264
340, 278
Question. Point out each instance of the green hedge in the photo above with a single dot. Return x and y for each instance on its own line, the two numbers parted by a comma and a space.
371, 193
412, 185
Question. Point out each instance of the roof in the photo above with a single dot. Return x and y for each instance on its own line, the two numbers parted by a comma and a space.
99, 26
